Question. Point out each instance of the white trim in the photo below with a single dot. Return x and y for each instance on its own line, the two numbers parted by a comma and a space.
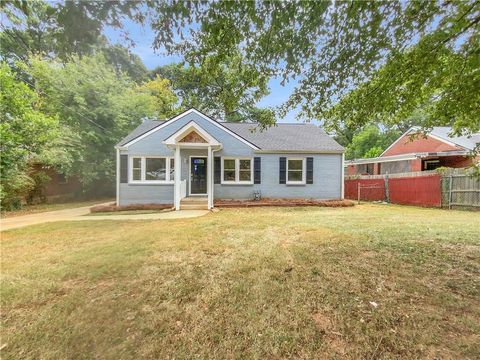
448, 142
142, 180
190, 174
299, 151
192, 126
304, 172
209, 178
411, 156
117, 200
194, 111
343, 177
237, 171
178, 169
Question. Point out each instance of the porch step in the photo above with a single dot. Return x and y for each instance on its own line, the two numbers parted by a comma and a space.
194, 203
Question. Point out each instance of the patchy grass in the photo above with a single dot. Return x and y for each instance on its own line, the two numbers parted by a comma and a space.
128, 212
113, 207
365, 282
39, 208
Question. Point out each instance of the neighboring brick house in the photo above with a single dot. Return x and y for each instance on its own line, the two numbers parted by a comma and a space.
414, 151
58, 188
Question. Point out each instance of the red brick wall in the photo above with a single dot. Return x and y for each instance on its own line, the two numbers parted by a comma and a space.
351, 170
418, 144
456, 161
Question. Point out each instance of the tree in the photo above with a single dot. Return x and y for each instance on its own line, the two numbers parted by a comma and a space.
27, 135
61, 28
229, 90
370, 142
124, 61
162, 97
99, 106
336, 46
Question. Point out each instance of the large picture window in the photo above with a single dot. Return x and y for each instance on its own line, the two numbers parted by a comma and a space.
237, 171
296, 171
154, 169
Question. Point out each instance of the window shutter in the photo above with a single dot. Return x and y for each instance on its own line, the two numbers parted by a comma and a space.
217, 170
283, 170
257, 170
309, 170
124, 169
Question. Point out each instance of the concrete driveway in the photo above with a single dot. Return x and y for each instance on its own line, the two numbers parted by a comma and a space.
78, 214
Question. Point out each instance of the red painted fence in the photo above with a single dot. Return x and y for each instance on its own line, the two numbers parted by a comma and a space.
424, 190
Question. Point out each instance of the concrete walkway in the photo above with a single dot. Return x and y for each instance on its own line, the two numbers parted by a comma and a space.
78, 214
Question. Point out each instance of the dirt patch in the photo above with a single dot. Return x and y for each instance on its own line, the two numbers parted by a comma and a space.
113, 208
322, 321
283, 203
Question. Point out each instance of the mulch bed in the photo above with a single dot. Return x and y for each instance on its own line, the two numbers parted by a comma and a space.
112, 207
282, 202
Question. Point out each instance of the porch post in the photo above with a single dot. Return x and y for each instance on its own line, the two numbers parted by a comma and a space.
209, 178
178, 171
117, 195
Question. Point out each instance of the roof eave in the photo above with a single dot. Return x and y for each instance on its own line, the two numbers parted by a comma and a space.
266, 151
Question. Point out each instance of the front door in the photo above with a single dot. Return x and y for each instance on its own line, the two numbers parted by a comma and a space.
198, 176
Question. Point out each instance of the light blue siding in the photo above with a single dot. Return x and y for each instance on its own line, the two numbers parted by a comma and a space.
146, 194
327, 169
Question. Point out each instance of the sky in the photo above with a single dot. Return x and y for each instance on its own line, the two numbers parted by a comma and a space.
143, 38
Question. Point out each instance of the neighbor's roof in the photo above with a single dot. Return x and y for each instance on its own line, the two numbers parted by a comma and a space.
464, 141
282, 137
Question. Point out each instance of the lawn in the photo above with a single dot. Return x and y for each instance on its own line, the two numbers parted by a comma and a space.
372, 281
39, 208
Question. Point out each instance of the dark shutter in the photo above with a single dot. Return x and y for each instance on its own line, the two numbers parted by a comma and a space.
124, 169
309, 170
283, 170
217, 170
257, 170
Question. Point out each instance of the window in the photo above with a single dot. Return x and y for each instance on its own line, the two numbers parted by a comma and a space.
151, 169
172, 169
370, 169
137, 169
237, 171
295, 171
431, 164
229, 170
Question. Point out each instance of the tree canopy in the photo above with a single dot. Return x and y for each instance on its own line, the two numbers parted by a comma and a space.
27, 134
334, 47
229, 90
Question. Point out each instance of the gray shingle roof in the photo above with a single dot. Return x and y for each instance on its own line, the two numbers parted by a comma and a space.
141, 129
468, 142
283, 137
286, 137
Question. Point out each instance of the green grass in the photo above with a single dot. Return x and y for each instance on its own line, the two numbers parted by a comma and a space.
39, 208
246, 283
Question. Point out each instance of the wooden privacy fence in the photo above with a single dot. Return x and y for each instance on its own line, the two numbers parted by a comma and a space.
452, 189
460, 190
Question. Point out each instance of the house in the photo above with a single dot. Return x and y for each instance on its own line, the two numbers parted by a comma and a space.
56, 186
415, 151
193, 156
